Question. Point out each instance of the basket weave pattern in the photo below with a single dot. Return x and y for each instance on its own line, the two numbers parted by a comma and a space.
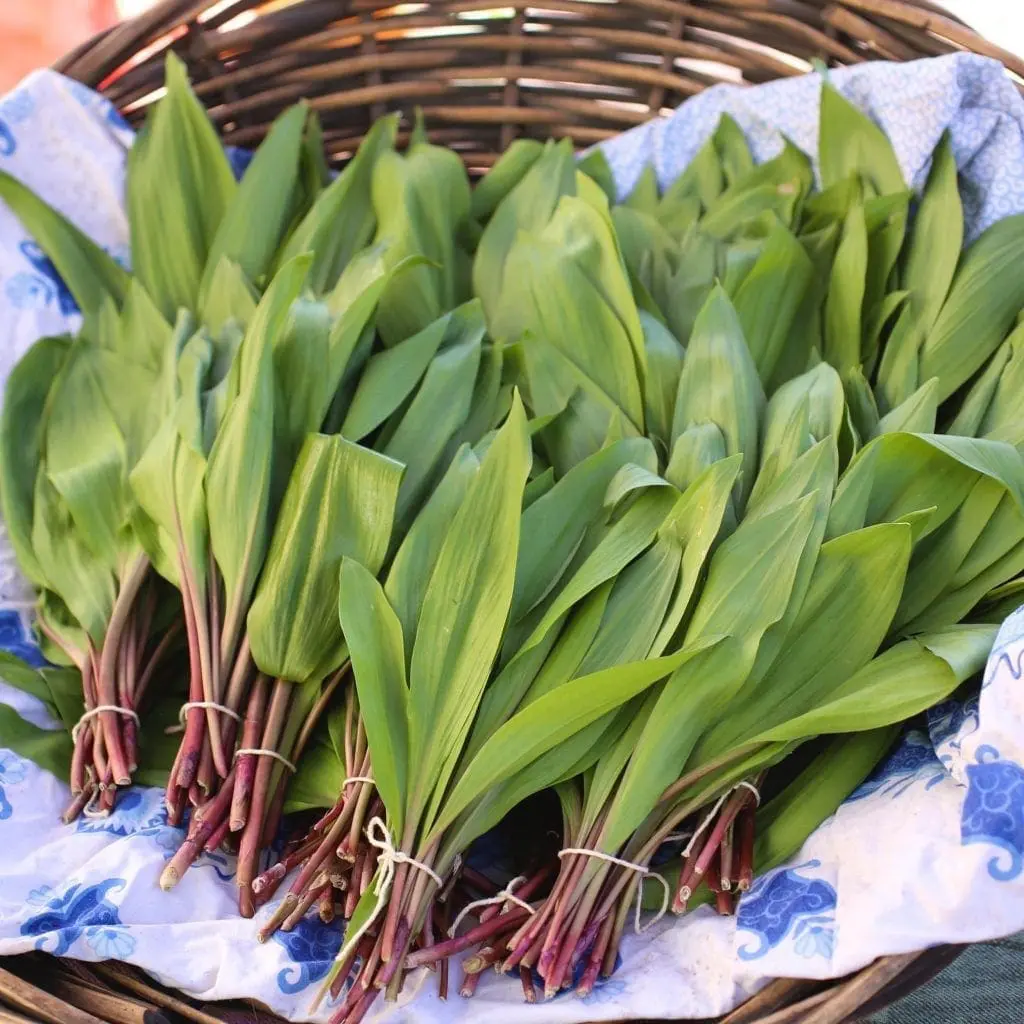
485, 72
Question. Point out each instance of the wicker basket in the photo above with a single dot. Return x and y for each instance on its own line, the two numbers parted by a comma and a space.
483, 74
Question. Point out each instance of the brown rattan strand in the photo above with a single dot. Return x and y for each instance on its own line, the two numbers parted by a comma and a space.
484, 72
491, 70
41, 989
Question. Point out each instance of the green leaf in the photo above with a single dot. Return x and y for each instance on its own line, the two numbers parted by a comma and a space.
390, 377
769, 297
733, 150
268, 185
846, 294
178, 189
526, 208
341, 222
849, 142
464, 610
50, 749
719, 384
894, 686
374, 637
703, 178
230, 297
841, 623
440, 406
594, 165
549, 721
553, 527
933, 248
89, 273
916, 415
698, 690
339, 504
510, 169
421, 200
644, 196
69, 567
985, 297
22, 428
566, 285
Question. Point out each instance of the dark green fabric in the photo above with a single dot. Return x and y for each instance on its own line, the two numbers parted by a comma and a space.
984, 985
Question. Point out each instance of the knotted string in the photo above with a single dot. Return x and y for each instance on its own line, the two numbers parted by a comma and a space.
379, 837
265, 752
505, 896
710, 816
189, 704
359, 778
98, 710
642, 873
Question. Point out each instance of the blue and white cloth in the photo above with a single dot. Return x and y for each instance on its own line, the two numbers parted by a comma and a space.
930, 850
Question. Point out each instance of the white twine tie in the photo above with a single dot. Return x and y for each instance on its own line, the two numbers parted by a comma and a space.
710, 816
190, 704
641, 873
359, 778
265, 752
378, 836
505, 896
99, 709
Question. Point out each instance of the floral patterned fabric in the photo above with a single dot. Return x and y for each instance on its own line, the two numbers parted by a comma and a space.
930, 850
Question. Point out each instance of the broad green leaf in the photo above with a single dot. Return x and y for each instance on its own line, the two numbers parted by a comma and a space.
853, 594
695, 524
464, 609
696, 448
703, 178
733, 150
566, 285
341, 221
885, 218
84, 584
374, 637
230, 296
437, 410
390, 377
752, 574
86, 452
623, 541
769, 297
849, 142
178, 188
933, 248
699, 689
894, 686
985, 297
527, 207
594, 165
719, 384
916, 415
549, 721
339, 504
414, 562
50, 749
247, 238
644, 196
421, 200
22, 429
510, 169
553, 527
846, 294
